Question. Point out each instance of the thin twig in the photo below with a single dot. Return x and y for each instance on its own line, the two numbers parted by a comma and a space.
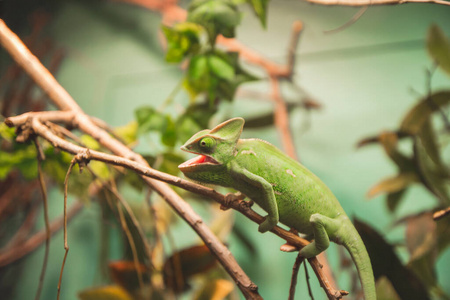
132, 245
295, 268
282, 120
40, 158
350, 22
297, 28
66, 246
441, 213
308, 283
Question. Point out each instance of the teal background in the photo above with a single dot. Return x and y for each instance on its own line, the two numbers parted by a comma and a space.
366, 76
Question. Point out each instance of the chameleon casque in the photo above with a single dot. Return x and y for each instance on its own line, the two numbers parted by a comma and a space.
285, 189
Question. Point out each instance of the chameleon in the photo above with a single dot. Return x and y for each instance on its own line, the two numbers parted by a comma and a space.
285, 189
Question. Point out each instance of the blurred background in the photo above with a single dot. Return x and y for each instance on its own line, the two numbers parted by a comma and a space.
360, 80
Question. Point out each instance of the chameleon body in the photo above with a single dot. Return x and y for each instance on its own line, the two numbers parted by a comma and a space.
285, 189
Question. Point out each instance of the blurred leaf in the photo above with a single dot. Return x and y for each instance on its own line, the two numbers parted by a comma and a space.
149, 119
6, 132
393, 199
260, 121
216, 16
22, 158
90, 142
386, 263
421, 112
260, 9
125, 274
431, 176
427, 239
198, 67
183, 39
218, 289
385, 290
183, 264
428, 138
170, 163
111, 292
100, 169
220, 67
169, 135
393, 184
438, 46
128, 132
389, 140
420, 235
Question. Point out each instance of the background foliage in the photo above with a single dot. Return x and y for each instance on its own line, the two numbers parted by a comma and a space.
376, 75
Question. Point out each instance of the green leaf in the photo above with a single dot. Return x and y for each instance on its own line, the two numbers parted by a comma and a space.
90, 142
128, 132
260, 9
216, 16
6, 132
438, 46
183, 39
111, 292
169, 135
421, 112
170, 163
100, 169
23, 158
220, 67
149, 119
198, 68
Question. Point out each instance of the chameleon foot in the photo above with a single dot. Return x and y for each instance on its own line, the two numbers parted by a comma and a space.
230, 198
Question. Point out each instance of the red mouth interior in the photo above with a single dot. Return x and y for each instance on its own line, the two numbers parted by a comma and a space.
198, 160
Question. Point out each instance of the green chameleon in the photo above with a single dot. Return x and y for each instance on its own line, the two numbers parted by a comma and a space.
285, 189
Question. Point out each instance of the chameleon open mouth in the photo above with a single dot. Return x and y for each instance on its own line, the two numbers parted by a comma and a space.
198, 160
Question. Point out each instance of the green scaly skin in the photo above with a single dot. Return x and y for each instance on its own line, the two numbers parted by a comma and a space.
286, 190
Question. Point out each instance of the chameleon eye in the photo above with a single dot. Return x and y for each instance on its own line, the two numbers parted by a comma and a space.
207, 143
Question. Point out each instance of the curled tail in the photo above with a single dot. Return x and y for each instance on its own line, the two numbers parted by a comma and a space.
355, 246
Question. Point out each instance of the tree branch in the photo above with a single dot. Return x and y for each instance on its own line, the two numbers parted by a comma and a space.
374, 2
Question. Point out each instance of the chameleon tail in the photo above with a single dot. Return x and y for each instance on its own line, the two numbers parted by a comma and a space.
355, 246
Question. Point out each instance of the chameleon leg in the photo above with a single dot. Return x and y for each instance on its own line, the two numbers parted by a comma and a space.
322, 227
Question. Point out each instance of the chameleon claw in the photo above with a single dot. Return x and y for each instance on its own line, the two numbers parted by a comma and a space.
230, 198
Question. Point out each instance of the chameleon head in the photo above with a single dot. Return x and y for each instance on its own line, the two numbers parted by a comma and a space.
215, 147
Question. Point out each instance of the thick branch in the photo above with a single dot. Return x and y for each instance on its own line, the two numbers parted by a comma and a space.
374, 2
